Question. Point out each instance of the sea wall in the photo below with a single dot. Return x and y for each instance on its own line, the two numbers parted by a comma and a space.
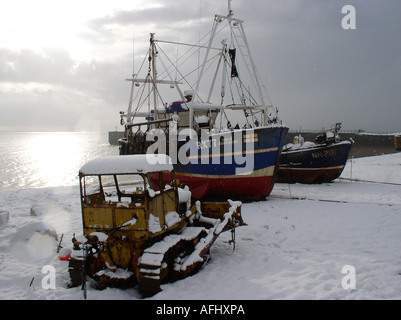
365, 144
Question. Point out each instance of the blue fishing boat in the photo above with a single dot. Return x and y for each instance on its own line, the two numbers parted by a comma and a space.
314, 162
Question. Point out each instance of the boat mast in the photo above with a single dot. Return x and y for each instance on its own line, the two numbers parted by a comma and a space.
208, 48
223, 49
236, 24
230, 12
128, 115
153, 55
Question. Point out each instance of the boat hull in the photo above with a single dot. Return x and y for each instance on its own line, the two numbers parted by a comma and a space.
319, 164
250, 187
243, 164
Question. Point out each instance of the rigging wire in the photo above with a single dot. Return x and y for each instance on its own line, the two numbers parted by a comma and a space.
185, 77
197, 46
243, 92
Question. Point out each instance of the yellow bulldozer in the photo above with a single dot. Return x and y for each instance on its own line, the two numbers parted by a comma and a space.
139, 228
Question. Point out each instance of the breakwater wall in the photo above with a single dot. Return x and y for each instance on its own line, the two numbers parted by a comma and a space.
114, 136
365, 144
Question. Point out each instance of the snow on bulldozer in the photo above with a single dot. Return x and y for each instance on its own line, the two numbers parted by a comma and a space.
141, 229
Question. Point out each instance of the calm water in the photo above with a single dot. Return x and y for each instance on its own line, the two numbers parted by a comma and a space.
47, 159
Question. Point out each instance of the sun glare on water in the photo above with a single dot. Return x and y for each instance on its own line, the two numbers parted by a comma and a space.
54, 158
48, 159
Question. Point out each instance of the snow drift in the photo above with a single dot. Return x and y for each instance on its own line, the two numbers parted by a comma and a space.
294, 246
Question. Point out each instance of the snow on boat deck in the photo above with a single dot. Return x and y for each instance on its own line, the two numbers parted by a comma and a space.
294, 246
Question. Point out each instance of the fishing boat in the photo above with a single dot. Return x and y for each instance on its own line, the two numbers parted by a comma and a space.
220, 129
314, 162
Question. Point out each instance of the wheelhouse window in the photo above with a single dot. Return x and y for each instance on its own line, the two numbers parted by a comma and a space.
113, 188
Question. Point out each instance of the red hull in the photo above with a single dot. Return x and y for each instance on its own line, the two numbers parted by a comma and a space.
250, 187
236, 187
254, 188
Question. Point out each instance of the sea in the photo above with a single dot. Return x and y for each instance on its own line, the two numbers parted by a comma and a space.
48, 159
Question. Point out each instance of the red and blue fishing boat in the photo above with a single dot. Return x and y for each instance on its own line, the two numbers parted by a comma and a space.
221, 131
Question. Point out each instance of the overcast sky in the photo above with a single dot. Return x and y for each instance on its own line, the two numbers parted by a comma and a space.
63, 64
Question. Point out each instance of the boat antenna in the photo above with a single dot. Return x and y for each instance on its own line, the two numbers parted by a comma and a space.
199, 35
230, 11
133, 52
129, 111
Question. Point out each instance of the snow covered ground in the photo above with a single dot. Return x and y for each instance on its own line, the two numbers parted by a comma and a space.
294, 247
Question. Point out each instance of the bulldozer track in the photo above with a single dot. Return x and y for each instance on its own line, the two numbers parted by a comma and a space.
179, 255
160, 262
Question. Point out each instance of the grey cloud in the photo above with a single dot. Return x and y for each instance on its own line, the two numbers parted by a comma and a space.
319, 73
179, 18
163, 18
316, 72
170, 13
49, 90
52, 65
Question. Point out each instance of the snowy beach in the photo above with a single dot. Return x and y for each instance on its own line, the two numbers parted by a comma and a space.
295, 245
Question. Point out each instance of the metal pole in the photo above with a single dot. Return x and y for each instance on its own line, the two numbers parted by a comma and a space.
154, 74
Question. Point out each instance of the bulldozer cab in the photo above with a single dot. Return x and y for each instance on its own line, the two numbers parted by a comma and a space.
117, 193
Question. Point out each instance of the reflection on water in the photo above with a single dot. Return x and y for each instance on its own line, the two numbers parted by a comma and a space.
47, 159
